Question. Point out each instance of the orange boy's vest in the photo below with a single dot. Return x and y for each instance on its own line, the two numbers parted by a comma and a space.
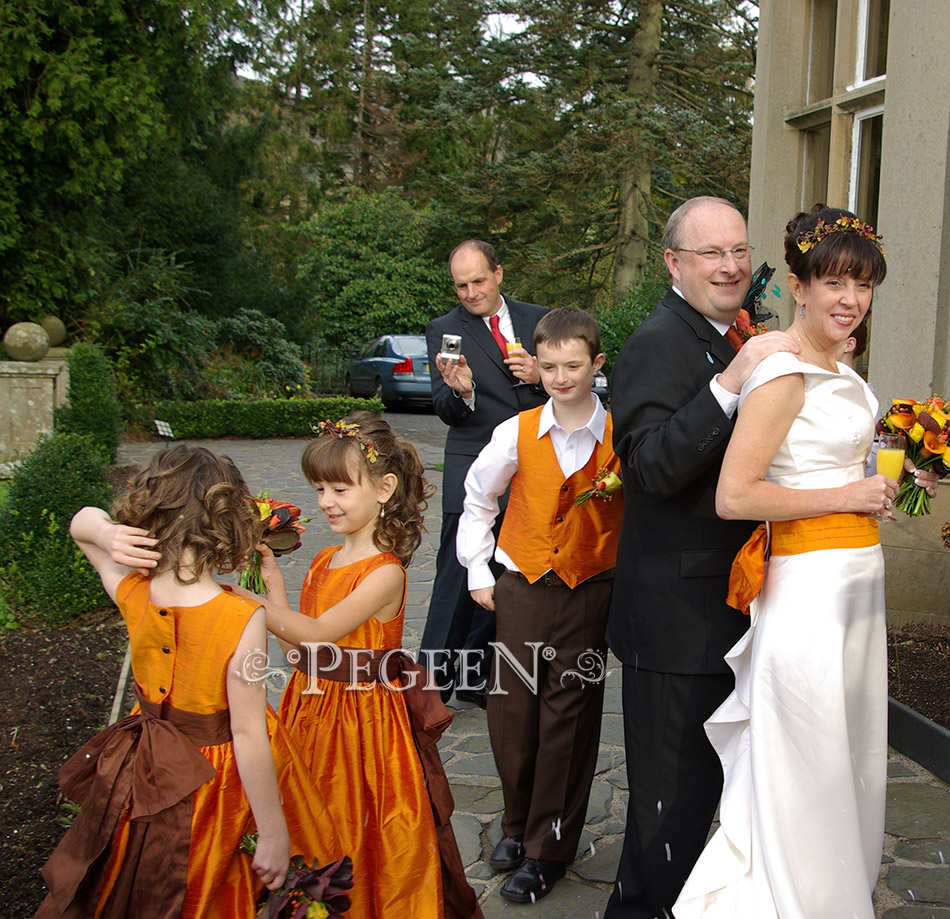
543, 529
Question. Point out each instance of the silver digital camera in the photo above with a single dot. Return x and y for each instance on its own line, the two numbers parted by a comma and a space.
451, 347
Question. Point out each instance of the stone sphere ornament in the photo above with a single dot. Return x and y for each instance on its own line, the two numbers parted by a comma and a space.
56, 330
26, 341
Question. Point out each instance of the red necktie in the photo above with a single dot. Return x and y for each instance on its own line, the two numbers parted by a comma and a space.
734, 338
497, 335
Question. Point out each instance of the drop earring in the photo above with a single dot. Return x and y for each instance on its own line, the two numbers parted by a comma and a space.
382, 510
801, 312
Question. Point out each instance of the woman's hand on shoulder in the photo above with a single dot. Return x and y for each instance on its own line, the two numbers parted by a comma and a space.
872, 495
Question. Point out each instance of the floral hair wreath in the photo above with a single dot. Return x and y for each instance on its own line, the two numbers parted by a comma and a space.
811, 238
342, 429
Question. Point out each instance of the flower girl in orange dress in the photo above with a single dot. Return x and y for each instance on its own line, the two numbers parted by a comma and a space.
168, 792
357, 705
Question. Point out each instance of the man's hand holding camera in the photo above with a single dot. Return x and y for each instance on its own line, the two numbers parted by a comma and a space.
457, 375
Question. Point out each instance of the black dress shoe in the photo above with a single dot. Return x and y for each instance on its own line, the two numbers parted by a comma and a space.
508, 854
471, 695
533, 880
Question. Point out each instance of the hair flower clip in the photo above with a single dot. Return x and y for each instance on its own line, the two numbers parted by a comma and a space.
342, 429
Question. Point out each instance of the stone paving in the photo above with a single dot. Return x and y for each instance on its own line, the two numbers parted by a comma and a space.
915, 879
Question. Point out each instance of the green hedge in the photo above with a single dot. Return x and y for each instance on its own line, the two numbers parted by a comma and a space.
44, 578
93, 407
268, 418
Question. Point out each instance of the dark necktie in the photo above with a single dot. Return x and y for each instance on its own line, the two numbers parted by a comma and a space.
734, 338
497, 335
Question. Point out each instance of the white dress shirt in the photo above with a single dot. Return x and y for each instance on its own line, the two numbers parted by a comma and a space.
506, 327
728, 401
492, 471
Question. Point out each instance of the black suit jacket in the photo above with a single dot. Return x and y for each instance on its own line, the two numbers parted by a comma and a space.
668, 611
495, 397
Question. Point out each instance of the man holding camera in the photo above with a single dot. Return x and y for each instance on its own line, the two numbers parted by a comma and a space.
485, 378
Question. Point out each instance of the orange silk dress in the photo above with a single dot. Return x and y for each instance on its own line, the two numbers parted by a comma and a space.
181, 654
360, 750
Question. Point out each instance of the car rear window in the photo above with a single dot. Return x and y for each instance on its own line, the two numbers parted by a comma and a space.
410, 344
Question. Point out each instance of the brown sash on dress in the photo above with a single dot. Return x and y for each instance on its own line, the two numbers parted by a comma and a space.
428, 719
150, 763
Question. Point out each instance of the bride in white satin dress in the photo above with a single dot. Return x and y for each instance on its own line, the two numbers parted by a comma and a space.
803, 739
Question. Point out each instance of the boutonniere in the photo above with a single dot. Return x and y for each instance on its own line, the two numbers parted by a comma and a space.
605, 484
747, 328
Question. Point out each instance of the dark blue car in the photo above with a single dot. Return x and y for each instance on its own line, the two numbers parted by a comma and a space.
395, 368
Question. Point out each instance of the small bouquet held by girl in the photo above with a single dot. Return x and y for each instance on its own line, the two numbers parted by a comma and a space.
926, 426
282, 529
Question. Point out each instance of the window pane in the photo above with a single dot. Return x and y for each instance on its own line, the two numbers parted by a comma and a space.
875, 62
869, 168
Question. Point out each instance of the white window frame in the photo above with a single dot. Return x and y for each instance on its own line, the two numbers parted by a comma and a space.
862, 50
859, 119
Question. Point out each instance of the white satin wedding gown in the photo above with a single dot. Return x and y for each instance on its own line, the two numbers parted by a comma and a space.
803, 739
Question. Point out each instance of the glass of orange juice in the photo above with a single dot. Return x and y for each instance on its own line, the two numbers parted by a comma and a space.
511, 345
890, 459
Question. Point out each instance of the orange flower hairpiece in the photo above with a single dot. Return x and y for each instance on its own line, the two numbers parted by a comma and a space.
822, 230
342, 429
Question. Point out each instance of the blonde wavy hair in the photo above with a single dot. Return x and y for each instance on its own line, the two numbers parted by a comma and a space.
198, 506
331, 458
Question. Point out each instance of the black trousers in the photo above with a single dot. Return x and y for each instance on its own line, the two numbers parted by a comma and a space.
675, 782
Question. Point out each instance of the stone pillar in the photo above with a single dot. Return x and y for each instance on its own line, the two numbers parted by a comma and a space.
28, 393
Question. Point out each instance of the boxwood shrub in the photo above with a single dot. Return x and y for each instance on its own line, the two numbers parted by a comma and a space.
267, 418
93, 406
44, 578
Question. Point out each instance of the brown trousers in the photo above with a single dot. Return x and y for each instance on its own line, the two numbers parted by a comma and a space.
545, 743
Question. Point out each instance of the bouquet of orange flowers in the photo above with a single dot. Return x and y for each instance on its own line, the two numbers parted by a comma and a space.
927, 427
282, 529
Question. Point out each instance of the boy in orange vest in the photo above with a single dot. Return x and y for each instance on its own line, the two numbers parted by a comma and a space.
558, 545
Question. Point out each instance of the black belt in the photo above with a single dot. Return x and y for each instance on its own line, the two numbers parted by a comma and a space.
550, 579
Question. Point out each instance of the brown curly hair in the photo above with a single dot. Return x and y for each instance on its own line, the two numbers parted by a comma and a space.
836, 254
194, 502
335, 459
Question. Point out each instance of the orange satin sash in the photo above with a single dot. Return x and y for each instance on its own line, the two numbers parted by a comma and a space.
151, 761
793, 537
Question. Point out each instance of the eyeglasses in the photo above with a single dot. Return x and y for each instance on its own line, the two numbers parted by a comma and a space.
740, 253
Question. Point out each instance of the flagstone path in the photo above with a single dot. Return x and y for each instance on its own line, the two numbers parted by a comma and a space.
915, 879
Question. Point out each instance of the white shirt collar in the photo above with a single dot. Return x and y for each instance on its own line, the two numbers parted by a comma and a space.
720, 327
596, 424
502, 314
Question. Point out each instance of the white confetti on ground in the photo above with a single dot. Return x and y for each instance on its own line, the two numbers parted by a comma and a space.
669, 854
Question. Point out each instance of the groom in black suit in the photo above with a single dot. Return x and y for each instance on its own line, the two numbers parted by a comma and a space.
675, 389
472, 396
